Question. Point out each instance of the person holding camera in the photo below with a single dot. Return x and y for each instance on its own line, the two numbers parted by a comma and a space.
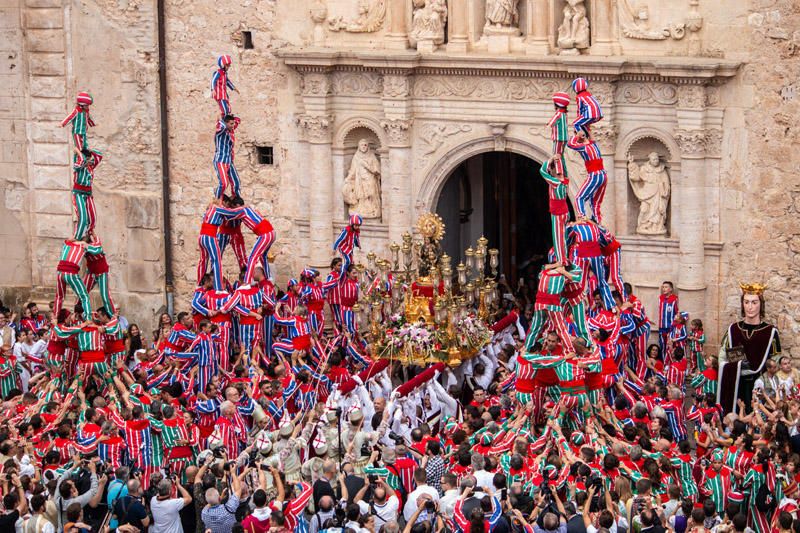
129, 509
426, 518
166, 510
67, 491
220, 517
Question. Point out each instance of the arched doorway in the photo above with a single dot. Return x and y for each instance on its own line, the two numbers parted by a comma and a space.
499, 195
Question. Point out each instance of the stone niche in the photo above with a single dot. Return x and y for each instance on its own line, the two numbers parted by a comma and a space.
342, 158
639, 152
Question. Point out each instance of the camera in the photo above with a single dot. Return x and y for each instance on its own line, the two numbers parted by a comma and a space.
227, 466
430, 506
373, 479
396, 438
219, 453
366, 449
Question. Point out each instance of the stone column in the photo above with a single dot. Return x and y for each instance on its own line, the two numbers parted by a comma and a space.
400, 208
537, 27
317, 129
604, 28
457, 40
399, 214
691, 137
397, 37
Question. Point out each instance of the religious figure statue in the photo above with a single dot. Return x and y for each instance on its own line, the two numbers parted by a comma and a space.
428, 21
573, 34
362, 185
744, 350
650, 183
502, 13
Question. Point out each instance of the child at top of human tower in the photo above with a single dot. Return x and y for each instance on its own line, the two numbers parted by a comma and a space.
589, 110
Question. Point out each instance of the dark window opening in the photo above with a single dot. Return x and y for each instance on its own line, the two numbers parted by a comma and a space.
265, 155
247, 40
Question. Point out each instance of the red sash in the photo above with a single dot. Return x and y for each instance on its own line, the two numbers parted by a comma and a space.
558, 206
589, 249
247, 320
92, 356
81, 189
594, 165
209, 230
221, 319
316, 306
263, 227
543, 298
301, 342
115, 345
612, 247
68, 267
97, 264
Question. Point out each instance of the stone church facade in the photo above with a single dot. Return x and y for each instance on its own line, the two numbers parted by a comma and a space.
710, 88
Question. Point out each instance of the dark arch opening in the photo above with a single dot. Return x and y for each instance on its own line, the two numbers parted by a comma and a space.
499, 195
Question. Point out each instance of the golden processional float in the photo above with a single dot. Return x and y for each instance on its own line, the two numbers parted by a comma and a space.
420, 310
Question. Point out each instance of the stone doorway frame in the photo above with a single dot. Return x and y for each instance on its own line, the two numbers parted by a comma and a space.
432, 184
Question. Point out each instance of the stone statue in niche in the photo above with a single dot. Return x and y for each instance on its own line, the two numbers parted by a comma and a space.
362, 185
502, 13
428, 21
371, 14
573, 34
650, 183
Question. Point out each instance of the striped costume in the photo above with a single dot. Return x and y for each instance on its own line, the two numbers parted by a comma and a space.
559, 133
705, 382
91, 346
639, 337
571, 377
684, 466
312, 295
589, 110
334, 297
677, 335
250, 300
559, 211
180, 338
220, 83
549, 306
667, 311
298, 335
139, 440
585, 241
717, 485
68, 273
223, 303
82, 198
612, 255
208, 240
230, 234
177, 440
348, 240
268, 289
265, 236
224, 141
696, 341
97, 273
80, 120
593, 189
348, 289
9, 378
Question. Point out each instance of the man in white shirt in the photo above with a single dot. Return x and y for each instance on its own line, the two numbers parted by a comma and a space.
421, 479
447, 504
482, 477
385, 504
166, 510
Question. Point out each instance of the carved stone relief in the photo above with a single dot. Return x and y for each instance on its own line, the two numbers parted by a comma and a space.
371, 16
315, 84
433, 136
647, 93
606, 137
486, 88
397, 131
396, 86
428, 22
641, 27
502, 14
692, 96
573, 33
316, 128
692, 142
356, 83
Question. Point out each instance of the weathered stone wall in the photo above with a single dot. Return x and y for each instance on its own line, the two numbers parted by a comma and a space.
51, 50
760, 179
196, 37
